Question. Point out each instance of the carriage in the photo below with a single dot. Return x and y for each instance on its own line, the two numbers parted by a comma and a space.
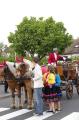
69, 73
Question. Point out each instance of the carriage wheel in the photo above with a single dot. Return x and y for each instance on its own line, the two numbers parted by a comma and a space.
69, 91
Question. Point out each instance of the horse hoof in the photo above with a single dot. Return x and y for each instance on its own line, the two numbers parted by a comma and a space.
30, 108
20, 107
25, 102
13, 107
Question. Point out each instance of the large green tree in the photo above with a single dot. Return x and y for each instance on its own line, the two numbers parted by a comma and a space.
39, 36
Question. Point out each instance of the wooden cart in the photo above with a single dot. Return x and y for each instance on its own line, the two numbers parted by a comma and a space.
70, 76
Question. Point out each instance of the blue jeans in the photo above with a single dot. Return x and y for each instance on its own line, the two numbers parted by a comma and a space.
38, 102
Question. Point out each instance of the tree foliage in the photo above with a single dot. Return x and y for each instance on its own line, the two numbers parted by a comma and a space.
39, 36
1, 46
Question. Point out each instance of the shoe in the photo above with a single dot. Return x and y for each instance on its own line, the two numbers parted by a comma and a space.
35, 114
39, 114
49, 111
59, 110
54, 112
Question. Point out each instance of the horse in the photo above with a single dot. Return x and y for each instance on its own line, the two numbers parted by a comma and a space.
26, 77
15, 82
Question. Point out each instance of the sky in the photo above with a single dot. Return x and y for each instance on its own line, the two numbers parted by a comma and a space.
13, 11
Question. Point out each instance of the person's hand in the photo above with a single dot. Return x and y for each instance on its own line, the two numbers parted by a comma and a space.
64, 58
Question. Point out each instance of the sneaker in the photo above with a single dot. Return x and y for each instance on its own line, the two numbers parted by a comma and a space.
39, 114
35, 114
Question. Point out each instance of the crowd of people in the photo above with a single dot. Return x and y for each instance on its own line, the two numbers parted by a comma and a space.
47, 84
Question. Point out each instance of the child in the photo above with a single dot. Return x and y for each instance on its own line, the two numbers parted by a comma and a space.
58, 91
49, 90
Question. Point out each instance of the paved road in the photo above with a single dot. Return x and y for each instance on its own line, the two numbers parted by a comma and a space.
70, 110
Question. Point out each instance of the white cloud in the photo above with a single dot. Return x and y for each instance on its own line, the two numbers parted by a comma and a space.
12, 12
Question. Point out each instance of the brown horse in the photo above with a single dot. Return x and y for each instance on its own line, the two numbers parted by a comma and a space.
26, 76
69, 73
16, 81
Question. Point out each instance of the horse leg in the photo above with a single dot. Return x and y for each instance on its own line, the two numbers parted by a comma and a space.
11, 85
5, 87
19, 96
25, 101
13, 100
29, 93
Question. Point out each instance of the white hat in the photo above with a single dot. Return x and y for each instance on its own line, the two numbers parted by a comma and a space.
55, 49
35, 55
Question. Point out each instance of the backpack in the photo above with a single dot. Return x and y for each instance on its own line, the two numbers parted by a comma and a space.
49, 78
58, 80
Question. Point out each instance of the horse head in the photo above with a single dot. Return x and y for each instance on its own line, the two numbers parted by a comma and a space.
24, 71
23, 68
9, 70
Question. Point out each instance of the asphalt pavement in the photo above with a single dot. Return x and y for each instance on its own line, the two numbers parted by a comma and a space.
70, 108
2, 92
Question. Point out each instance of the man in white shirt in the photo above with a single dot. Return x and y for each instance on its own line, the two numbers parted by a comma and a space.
38, 85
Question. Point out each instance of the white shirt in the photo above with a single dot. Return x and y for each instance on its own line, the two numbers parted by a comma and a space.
38, 82
55, 55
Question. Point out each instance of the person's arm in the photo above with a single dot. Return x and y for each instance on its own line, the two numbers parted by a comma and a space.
50, 58
37, 75
61, 57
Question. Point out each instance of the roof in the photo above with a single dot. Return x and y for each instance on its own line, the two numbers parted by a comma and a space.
73, 48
